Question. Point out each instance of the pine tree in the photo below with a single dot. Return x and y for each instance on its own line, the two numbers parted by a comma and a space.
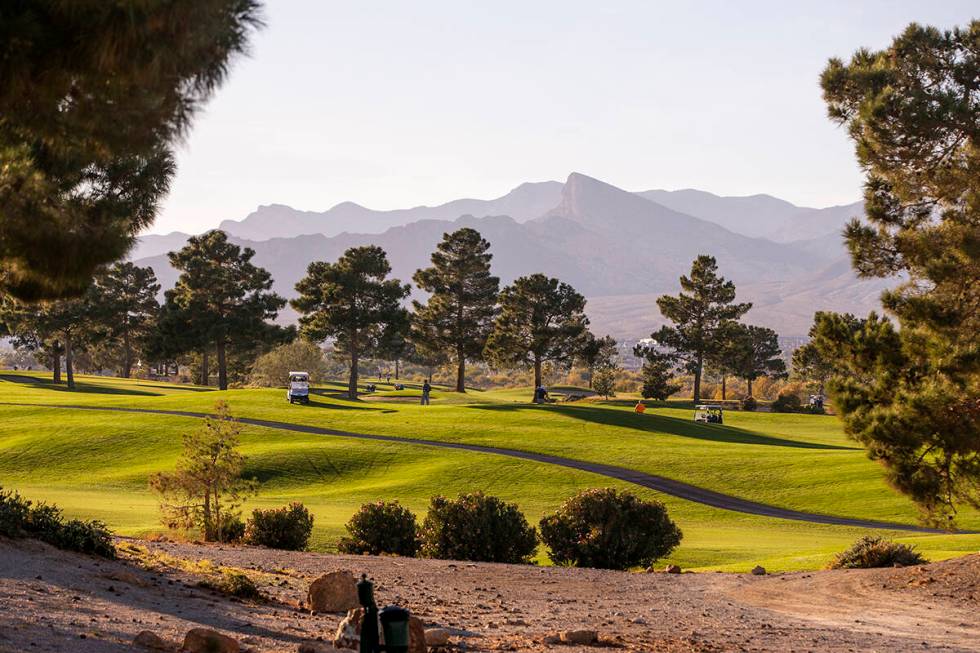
223, 296
458, 316
657, 372
352, 301
701, 313
128, 305
597, 354
757, 353
910, 395
541, 320
94, 96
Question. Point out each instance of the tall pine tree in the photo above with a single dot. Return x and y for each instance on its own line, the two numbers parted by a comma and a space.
353, 302
128, 304
700, 314
458, 316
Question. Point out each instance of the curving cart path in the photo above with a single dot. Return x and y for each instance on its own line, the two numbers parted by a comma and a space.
669, 486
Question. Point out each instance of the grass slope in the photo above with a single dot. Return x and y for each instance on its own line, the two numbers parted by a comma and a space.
95, 464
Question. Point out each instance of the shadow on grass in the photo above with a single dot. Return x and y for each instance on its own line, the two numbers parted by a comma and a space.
87, 387
663, 424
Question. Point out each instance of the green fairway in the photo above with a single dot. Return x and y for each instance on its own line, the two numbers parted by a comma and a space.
95, 464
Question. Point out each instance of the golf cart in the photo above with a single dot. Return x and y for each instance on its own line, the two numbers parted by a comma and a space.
299, 388
708, 413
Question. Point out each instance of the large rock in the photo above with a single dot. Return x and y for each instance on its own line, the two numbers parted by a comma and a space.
203, 640
333, 592
436, 637
348, 634
152, 641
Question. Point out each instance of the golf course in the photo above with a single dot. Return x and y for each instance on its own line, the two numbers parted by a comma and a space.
91, 450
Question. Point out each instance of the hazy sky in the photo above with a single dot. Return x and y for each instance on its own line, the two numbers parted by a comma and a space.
396, 104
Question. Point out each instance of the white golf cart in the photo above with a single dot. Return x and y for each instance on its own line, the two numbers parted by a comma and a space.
708, 413
299, 388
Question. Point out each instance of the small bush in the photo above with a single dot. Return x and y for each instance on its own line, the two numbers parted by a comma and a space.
477, 527
19, 518
287, 528
787, 403
609, 529
234, 583
749, 403
382, 528
874, 551
232, 528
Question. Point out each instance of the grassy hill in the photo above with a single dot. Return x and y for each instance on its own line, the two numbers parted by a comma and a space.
95, 463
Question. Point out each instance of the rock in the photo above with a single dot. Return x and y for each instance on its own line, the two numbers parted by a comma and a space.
416, 636
349, 631
672, 569
579, 637
315, 647
333, 592
436, 636
758, 571
204, 640
152, 641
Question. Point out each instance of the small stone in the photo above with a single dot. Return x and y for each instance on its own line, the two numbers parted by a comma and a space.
436, 637
672, 569
758, 571
204, 640
152, 641
579, 637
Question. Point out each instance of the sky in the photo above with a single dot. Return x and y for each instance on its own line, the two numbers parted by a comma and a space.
398, 104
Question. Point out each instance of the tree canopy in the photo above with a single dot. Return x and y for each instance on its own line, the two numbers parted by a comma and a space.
352, 301
541, 320
910, 394
94, 96
458, 316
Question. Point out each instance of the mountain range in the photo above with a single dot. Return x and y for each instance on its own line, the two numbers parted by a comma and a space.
620, 249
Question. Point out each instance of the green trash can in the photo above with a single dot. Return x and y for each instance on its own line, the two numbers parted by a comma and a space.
394, 625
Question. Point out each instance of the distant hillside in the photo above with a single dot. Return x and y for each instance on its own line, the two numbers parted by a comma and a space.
616, 247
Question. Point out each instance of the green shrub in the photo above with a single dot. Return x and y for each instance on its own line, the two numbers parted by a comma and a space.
287, 528
234, 583
232, 528
874, 551
19, 518
381, 528
787, 403
477, 527
609, 529
749, 403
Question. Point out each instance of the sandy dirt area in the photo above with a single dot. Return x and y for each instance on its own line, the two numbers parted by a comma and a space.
56, 601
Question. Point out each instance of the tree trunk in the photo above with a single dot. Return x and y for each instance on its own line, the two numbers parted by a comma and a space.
69, 362
591, 372
222, 365
537, 375
697, 380
205, 372
431, 371
724, 394
56, 365
749, 381
127, 355
460, 369
396, 368
354, 359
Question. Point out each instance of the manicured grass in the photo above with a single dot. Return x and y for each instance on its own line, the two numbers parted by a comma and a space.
95, 464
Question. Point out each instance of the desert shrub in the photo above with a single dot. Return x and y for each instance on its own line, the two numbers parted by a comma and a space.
232, 528
874, 551
287, 528
477, 527
787, 403
609, 529
20, 518
383, 527
749, 403
233, 583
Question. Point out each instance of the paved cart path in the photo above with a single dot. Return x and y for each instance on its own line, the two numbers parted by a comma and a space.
669, 486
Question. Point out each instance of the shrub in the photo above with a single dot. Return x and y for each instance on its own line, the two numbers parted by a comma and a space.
604, 382
271, 370
787, 403
749, 403
232, 528
609, 529
19, 518
233, 583
287, 528
874, 551
477, 527
381, 528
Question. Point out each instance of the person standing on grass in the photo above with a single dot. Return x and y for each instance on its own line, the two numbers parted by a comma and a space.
426, 389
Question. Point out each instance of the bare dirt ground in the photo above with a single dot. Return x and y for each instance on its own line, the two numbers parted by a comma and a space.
56, 601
